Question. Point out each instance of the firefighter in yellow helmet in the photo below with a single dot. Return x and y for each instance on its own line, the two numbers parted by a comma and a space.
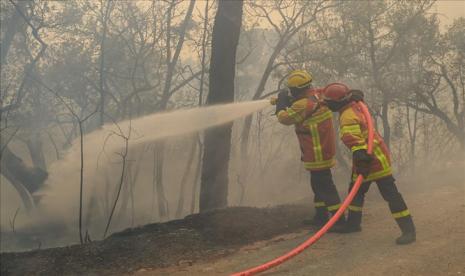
299, 105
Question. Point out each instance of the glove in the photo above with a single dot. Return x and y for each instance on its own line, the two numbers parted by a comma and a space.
356, 95
273, 100
362, 161
283, 102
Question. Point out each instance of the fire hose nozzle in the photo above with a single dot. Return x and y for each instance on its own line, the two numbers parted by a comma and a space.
273, 100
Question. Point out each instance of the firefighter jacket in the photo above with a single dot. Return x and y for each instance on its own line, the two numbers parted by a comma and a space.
314, 128
354, 134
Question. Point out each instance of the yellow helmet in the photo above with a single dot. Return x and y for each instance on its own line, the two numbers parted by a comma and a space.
299, 79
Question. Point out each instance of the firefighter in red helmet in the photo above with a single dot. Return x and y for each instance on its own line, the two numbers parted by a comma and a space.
374, 167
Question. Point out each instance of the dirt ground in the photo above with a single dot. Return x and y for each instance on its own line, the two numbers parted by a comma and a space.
205, 236
438, 208
229, 240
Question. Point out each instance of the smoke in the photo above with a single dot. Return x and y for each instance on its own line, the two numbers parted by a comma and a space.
103, 151
273, 172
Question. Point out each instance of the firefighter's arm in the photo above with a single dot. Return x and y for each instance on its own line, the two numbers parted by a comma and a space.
351, 132
352, 136
294, 114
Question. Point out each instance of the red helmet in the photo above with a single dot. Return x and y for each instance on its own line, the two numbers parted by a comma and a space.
336, 92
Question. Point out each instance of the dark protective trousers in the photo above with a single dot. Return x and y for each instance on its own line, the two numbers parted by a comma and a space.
326, 196
389, 192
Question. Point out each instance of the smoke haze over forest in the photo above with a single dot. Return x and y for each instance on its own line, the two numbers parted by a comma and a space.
92, 71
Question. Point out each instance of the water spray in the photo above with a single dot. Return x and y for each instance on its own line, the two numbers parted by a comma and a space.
102, 148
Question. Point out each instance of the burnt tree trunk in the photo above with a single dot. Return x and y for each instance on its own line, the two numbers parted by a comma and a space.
35, 147
26, 180
225, 38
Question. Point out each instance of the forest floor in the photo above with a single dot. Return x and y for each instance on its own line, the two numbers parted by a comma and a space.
226, 241
439, 213
206, 236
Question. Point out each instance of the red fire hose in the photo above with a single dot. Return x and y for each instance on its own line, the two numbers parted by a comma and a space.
333, 219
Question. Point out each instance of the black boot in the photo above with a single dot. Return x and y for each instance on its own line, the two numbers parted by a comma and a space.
353, 223
408, 230
321, 217
339, 225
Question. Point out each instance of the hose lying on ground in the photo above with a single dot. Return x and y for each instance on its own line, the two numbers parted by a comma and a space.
333, 219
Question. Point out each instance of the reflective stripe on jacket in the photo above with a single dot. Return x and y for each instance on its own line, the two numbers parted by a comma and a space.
354, 134
314, 129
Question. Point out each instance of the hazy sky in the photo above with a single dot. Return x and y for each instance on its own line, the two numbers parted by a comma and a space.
450, 9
